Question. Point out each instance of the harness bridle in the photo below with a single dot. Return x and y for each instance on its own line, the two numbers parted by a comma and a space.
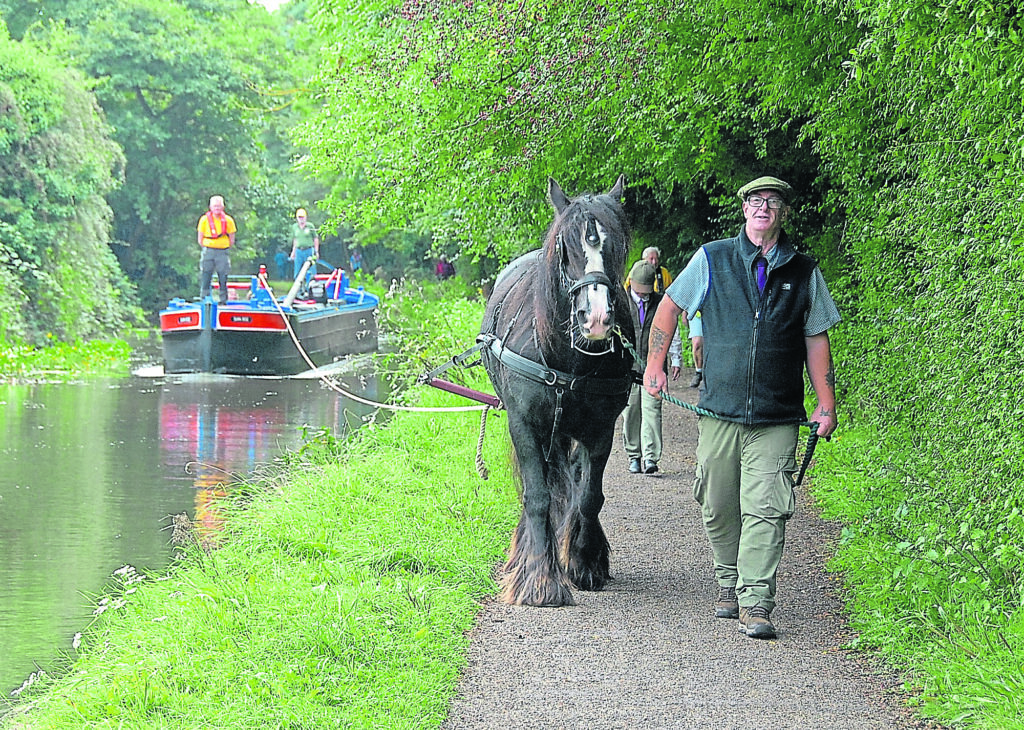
571, 286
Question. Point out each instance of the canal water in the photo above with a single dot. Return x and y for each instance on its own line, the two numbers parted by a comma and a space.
90, 474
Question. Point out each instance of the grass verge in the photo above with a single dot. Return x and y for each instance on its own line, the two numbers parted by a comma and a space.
339, 593
932, 587
63, 360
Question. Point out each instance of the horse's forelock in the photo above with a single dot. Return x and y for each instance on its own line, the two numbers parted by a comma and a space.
608, 212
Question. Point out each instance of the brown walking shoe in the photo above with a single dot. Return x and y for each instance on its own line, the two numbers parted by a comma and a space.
755, 623
726, 606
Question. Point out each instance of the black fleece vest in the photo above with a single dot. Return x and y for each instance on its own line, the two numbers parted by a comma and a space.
754, 346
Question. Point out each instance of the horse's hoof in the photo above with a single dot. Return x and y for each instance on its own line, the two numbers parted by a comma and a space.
590, 581
550, 596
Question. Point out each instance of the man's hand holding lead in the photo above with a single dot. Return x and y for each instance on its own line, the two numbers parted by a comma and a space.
655, 380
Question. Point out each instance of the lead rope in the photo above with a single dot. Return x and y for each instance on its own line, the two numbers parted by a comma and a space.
481, 467
665, 396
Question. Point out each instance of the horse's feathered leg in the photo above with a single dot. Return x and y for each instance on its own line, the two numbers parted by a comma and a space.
534, 576
584, 546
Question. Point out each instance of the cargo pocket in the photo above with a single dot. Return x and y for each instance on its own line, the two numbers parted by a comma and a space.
700, 487
783, 498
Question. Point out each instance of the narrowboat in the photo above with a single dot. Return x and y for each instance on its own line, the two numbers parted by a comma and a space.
252, 332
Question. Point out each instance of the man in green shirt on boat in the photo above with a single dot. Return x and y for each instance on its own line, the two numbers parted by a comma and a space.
305, 243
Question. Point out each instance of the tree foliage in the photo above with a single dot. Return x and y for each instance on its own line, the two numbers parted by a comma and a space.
457, 111
182, 85
197, 92
57, 164
900, 124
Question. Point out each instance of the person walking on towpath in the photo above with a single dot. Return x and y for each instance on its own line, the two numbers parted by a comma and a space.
697, 346
765, 312
662, 277
641, 420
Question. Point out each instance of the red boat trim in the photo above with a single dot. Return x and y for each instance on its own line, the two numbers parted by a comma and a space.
248, 321
181, 321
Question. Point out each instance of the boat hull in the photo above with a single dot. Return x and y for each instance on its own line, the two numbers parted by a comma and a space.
238, 339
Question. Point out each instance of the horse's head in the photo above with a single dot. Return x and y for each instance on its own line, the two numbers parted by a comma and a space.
587, 244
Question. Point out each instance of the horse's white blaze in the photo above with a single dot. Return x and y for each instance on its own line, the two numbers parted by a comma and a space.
596, 326
596, 320
593, 252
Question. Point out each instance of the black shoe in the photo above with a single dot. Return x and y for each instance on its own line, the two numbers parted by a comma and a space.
650, 467
726, 606
634, 466
755, 622
697, 377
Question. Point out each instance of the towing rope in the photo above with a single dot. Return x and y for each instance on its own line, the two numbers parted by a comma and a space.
481, 467
342, 391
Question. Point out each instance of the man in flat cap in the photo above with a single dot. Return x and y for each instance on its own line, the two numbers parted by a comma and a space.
766, 312
641, 420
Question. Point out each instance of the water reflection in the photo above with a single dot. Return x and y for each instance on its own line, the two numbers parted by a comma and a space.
92, 473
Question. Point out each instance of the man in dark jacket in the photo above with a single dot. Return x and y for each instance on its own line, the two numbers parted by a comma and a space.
765, 311
641, 421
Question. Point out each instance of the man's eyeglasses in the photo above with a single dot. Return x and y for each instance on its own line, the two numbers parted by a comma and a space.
756, 201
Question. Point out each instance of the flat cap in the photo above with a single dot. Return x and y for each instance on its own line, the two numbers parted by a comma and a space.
767, 182
641, 277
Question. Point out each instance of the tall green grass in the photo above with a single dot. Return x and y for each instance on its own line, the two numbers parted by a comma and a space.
933, 586
339, 593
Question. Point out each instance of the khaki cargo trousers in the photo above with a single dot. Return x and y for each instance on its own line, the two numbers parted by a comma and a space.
641, 426
744, 486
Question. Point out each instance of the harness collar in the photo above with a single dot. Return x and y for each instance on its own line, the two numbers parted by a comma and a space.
549, 376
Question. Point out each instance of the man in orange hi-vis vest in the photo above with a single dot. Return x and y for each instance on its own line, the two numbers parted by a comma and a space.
216, 234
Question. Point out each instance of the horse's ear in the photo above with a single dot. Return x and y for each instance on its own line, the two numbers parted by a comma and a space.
556, 196
618, 188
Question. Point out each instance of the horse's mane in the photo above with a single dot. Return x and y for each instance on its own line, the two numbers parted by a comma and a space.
552, 305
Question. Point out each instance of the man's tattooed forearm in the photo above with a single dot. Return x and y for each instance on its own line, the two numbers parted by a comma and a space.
659, 340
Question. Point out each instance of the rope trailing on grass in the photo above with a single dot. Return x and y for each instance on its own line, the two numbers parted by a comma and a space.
481, 467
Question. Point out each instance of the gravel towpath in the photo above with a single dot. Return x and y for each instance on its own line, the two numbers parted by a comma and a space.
647, 652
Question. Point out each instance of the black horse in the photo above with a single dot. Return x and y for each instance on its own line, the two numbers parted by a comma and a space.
556, 359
